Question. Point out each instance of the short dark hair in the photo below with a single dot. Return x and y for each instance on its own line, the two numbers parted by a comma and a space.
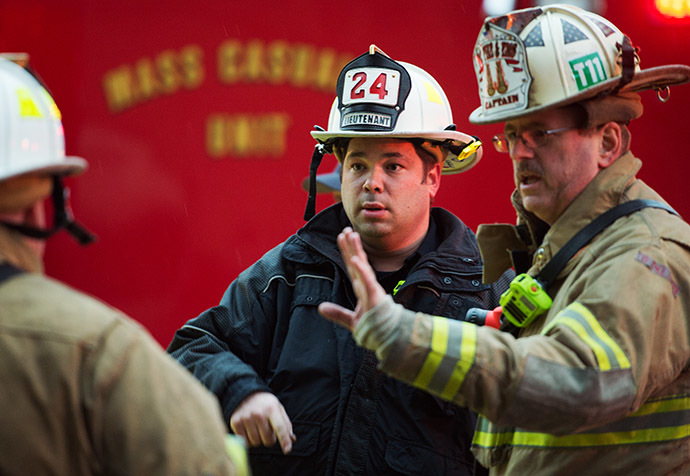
428, 159
579, 113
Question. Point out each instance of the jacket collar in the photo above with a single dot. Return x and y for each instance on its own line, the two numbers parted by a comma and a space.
320, 233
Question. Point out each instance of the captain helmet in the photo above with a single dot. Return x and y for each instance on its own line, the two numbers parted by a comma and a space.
540, 58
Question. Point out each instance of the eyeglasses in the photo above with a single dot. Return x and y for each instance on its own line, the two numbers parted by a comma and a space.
533, 138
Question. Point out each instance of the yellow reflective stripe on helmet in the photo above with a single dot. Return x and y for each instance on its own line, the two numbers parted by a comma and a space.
453, 346
431, 93
578, 319
469, 149
27, 105
665, 419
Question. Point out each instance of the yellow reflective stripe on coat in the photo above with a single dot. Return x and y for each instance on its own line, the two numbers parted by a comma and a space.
453, 347
657, 420
577, 318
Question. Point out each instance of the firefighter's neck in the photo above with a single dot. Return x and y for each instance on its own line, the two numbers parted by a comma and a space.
390, 259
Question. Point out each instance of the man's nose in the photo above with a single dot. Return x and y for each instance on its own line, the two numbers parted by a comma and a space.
374, 182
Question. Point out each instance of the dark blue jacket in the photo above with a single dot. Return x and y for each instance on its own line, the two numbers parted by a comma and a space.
267, 335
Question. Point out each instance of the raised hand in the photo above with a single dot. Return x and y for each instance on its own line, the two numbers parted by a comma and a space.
367, 289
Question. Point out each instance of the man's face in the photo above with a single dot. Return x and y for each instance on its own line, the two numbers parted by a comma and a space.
22, 202
386, 193
550, 176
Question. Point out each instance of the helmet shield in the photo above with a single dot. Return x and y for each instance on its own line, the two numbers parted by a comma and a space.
372, 90
500, 63
540, 58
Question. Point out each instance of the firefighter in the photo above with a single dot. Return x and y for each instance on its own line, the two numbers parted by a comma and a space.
85, 390
591, 374
284, 374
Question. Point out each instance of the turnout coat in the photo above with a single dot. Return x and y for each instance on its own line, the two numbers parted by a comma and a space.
600, 383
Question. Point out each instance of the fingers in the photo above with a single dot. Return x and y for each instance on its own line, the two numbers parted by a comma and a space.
282, 429
338, 314
345, 245
364, 283
247, 429
356, 244
262, 420
368, 283
350, 245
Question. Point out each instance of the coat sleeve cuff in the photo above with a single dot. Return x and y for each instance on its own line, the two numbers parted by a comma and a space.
380, 328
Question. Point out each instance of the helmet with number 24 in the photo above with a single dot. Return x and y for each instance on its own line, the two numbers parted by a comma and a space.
380, 97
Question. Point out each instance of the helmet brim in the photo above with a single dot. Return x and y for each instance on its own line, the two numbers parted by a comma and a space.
658, 77
440, 136
322, 186
325, 183
451, 164
68, 166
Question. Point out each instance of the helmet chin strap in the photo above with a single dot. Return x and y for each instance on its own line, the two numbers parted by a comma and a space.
63, 218
316, 158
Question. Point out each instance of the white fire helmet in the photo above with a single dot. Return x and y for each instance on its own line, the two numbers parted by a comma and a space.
380, 97
540, 58
32, 141
31, 134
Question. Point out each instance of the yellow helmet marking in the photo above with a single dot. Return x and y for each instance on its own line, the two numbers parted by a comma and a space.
27, 105
432, 94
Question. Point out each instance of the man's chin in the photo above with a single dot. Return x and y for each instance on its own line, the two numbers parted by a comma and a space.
531, 203
371, 229
538, 208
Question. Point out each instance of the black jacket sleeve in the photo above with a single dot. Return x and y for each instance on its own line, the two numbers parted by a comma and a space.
228, 346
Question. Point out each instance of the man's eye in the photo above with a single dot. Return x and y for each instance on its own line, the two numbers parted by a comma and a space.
510, 136
538, 134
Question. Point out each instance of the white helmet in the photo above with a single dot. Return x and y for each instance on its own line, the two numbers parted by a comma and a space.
379, 97
32, 140
539, 58
31, 134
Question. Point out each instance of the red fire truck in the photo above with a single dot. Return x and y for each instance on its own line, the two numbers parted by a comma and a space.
195, 119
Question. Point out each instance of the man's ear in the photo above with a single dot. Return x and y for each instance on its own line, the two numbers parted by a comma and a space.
610, 143
433, 178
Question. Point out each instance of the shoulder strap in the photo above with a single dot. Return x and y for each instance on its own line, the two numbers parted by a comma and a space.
8, 270
554, 266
